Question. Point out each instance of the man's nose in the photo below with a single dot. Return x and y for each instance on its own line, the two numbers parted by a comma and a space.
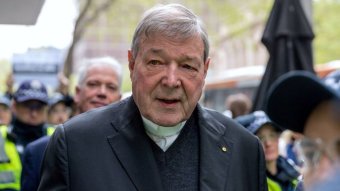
171, 78
102, 89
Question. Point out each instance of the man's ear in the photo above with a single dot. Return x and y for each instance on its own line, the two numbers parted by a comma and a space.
206, 66
131, 61
76, 95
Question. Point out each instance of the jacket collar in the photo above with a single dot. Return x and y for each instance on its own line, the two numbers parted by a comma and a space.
216, 151
131, 146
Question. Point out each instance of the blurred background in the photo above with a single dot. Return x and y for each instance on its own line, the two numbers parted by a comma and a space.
43, 38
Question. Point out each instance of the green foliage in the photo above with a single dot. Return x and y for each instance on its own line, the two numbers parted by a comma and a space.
126, 86
327, 31
220, 17
225, 17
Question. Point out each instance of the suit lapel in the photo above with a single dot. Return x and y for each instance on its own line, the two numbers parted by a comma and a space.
130, 145
216, 152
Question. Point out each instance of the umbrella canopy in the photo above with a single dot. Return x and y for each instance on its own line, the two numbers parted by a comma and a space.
288, 37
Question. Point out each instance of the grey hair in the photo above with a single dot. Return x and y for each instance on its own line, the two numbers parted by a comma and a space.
172, 21
101, 61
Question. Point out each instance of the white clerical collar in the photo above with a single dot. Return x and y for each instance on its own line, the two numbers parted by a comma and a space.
162, 131
164, 137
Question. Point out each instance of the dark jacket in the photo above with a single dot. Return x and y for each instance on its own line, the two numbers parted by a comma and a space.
32, 159
107, 149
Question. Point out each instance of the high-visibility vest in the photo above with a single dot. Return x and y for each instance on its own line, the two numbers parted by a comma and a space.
274, 186
50, 130
10, 171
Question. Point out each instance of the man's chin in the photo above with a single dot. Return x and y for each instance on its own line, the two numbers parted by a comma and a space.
166, 122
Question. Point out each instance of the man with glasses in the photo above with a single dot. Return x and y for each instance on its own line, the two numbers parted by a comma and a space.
303, 103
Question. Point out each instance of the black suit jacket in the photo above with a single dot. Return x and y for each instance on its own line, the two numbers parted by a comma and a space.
108, 149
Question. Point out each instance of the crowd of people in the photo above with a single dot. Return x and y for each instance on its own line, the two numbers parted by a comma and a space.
30, 115
161, 137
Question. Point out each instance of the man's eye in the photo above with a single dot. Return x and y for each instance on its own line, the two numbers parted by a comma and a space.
92, 84
112, 88
154, 62
189, 67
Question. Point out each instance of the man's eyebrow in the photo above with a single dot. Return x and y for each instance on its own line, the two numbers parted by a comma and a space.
181, 58
155, 50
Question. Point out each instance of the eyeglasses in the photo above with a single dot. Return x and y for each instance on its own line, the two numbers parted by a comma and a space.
310, 152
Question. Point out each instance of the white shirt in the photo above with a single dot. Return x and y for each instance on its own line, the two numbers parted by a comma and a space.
162, 136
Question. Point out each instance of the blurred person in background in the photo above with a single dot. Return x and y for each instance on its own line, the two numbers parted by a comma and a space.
282, 175
63, 89
58, 110
287, 145
29, 123
5, 111
30, 113
9, 86
237, 104
304, 103
99, 84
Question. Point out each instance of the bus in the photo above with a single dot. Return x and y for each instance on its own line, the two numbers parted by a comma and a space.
245, 80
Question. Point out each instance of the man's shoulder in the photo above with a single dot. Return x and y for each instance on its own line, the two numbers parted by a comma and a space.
37, 147
39, 142
210, 114
99, 117
226, 124
101, 112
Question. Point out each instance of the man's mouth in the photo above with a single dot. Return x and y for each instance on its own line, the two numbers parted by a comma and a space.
98, 104
169, 101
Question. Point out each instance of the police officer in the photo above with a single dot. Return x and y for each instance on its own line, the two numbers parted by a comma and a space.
58, 110
30, 113
29, 107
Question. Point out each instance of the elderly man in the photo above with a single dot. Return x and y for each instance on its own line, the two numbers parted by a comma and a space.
160, 138
99, 84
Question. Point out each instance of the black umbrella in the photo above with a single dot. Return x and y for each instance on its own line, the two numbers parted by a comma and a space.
288, 37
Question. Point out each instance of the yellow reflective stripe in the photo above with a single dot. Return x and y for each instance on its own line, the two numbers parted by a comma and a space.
15, 163
3, 130
272, 185
295, 183
50, 130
